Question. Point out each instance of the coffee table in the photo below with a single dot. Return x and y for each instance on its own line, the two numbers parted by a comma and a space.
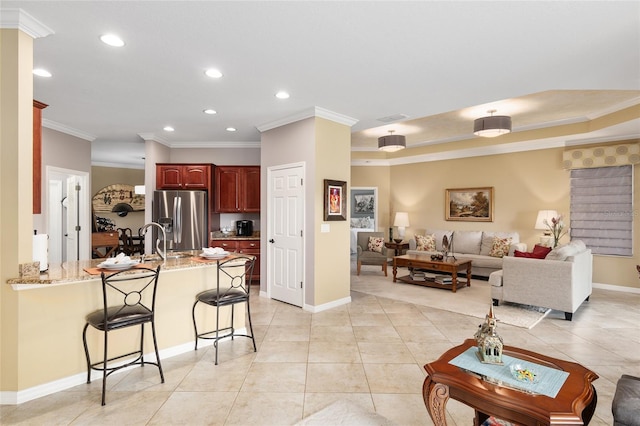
422, 261
574, 404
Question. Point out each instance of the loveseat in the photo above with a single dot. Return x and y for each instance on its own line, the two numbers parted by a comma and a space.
560, 281
474, 245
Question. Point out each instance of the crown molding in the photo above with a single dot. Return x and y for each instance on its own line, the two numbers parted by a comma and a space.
118, 165
66, 129
18, 19
152, 137
211, 144
308, 113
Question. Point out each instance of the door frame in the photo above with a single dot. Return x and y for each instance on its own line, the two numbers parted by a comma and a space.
270, 170
84, 216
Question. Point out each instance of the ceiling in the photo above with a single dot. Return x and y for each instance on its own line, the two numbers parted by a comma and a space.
438, 64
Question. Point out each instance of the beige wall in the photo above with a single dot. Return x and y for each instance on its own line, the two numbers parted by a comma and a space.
333, 159
523, 183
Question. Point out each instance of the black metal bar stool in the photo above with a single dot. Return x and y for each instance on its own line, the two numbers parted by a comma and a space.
235, 271
124, 305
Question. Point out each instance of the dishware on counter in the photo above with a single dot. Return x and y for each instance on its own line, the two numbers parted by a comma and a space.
118, 263
214, 253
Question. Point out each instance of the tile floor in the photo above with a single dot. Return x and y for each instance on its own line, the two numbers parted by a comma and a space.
370, 351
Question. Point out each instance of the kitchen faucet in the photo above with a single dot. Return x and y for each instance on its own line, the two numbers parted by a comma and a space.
163, 253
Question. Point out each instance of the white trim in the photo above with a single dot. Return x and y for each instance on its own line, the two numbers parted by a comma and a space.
67, 130
119, 165
333, 304
308, 113
612, 287
25, 395
21, 20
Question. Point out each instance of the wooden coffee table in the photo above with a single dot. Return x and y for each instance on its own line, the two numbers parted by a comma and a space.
423, 261
574, 404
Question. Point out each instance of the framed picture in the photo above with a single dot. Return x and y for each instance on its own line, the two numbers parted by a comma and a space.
469, 204
335, 202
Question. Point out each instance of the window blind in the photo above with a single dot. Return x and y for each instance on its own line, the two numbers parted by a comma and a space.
602, 209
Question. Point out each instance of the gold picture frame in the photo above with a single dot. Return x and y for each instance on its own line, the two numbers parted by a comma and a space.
335, 200
469, 204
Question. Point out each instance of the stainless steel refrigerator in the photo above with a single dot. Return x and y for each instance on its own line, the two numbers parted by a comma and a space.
184, 216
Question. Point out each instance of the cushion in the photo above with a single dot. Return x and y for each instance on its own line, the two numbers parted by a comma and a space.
438, 234
487, 240
539, 252
500, 247
566, 250
467, 242
376, 244
426, 242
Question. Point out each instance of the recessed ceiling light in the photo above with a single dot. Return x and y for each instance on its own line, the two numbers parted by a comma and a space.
213, 73
231, 129
168, 129
112, 40
210, 111
41, 72
282, 95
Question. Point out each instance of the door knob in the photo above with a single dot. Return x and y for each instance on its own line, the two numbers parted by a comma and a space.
272, 241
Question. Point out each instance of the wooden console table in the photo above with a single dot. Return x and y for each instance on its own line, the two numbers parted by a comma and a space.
574, 404
423, 261
106, 240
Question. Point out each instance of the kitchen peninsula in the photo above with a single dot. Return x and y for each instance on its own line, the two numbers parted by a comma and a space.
52, 308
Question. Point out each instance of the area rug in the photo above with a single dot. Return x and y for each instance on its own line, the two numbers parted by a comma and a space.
472, 301
345, 413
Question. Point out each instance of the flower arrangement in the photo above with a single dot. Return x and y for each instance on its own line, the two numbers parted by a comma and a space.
557, 229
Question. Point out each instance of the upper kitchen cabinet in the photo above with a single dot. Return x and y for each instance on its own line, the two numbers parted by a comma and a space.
183, 176
237, 189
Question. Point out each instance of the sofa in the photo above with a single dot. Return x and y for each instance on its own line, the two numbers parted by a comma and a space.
474, 245
560, 281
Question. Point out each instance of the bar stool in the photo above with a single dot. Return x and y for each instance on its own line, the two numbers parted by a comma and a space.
125, 297
236, 272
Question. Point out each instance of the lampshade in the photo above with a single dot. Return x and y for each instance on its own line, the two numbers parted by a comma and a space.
401, 219
545, 215
492, 126
391, 142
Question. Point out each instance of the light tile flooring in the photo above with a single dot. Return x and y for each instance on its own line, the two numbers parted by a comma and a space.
370, 351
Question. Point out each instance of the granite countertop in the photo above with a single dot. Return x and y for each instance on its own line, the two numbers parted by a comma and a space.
70, 272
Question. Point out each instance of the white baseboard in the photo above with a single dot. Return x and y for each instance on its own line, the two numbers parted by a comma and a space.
19, 397
616, 288
319, 308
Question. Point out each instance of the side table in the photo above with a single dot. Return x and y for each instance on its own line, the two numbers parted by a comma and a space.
574, 404
398, 247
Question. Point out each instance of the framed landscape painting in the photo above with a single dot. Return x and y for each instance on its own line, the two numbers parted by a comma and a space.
469, 204
335, 203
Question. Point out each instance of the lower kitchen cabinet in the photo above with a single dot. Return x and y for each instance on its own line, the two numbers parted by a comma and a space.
244, 246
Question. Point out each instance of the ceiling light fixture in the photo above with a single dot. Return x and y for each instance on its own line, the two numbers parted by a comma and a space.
492, 126
112, 40
168, 129
213, 73
41, 72
210, 111
231, 129
282, 95
392, 142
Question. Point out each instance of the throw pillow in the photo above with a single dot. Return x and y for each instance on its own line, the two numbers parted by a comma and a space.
539, 252
376, 244
426, 242
500, 247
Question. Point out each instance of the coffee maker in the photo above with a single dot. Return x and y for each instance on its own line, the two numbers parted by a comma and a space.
244, 228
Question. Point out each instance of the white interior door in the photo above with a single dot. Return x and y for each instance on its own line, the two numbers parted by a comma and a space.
71, 206
285, 229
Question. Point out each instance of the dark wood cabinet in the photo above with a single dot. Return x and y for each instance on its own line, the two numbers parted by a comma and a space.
183, 176
251, 247
237, 189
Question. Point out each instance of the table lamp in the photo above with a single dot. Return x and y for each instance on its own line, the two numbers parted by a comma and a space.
401, 222
542, 222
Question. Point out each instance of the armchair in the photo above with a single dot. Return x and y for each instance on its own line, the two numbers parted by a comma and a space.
369, 257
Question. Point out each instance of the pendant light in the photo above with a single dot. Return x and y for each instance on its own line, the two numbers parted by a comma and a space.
492, 126
392, 142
